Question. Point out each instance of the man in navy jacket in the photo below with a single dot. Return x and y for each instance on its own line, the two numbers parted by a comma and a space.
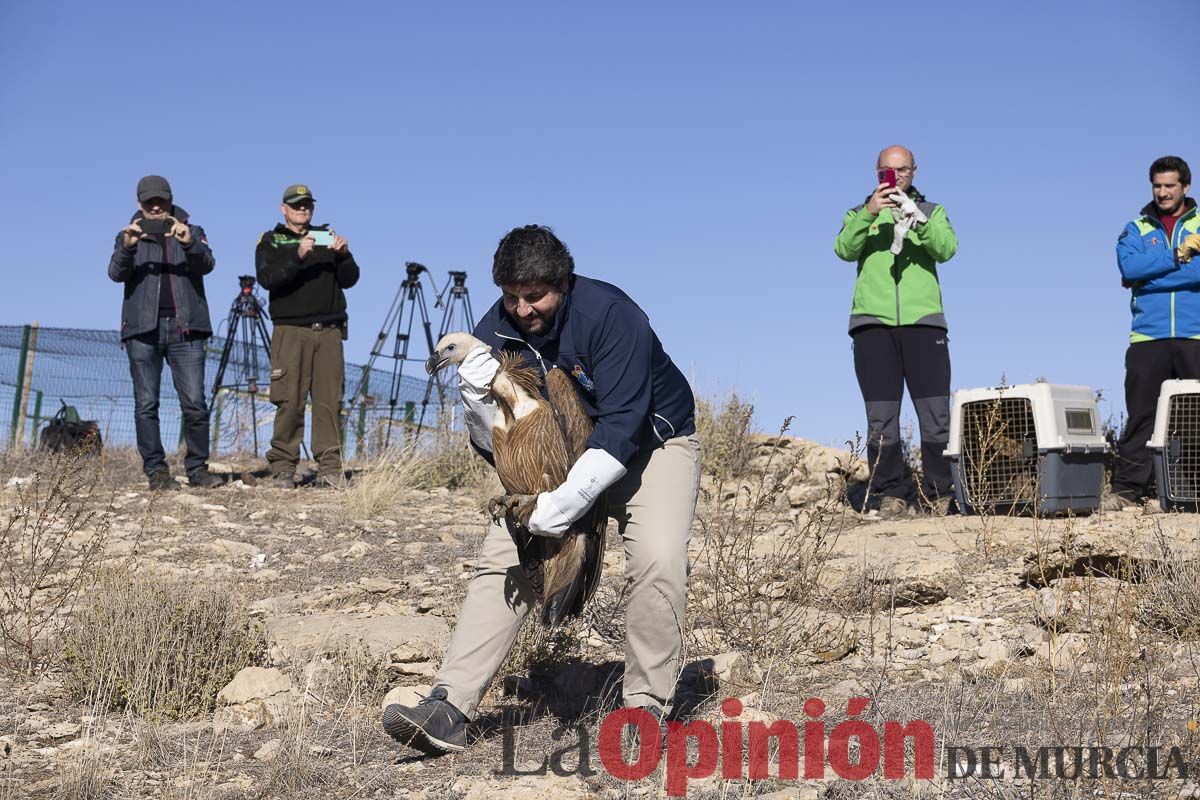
164, 317
643, 451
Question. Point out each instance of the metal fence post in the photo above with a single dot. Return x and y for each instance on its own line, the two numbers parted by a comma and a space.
37, 419
16, 414
27, 383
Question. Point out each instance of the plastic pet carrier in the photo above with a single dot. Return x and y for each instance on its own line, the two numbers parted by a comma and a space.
1034, 447
1175, 444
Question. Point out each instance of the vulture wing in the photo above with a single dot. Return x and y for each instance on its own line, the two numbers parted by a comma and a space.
530, 457
572, 578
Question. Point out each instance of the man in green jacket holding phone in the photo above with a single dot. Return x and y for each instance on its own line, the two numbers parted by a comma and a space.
305, 268
898, 238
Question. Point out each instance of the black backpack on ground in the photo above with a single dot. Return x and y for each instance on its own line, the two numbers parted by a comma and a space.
67, 432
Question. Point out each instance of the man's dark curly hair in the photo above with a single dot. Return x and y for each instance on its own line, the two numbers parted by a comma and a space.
531, 254
1172, 164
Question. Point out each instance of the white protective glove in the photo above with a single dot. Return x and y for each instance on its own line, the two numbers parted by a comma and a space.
475, 375
907, 215
594, 472
477, 371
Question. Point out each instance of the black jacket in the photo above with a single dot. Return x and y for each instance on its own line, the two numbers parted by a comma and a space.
142, 268
302, 293
627, 382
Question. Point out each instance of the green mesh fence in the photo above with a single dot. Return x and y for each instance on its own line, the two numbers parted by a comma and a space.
89, 369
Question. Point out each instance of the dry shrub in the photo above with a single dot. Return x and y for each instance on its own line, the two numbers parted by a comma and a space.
49, 545
540, 650
723, 427
158, 647
1170, 596
759, 590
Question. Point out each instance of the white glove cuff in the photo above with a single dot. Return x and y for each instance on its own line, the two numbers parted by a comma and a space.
478, 416
594, 472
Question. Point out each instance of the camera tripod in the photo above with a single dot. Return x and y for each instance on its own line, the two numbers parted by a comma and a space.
245, 315
398, 325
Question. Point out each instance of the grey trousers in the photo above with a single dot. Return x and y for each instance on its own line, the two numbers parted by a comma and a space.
653, 505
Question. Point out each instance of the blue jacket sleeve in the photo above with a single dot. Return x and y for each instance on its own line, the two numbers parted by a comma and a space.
1186, 277
622, 352
1136, 262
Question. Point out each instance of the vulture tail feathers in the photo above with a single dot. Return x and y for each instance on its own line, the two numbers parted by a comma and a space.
573, 573
562, 579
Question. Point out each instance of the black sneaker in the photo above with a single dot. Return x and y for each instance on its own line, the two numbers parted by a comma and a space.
433, 726
203, 479
631, 734
161, 481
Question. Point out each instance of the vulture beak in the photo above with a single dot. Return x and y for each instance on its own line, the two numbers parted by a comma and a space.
435, 362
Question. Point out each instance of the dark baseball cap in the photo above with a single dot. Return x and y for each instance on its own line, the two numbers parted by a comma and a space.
297, 192
153, 186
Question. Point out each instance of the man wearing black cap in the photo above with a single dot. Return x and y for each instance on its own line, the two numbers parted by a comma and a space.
162, 260
305, 268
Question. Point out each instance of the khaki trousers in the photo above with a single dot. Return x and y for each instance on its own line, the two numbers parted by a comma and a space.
306, 361
653, 505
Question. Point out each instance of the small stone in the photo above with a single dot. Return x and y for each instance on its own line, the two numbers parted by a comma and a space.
992, 652
939, 656
406, 695
268, 751
356, 551
62, 730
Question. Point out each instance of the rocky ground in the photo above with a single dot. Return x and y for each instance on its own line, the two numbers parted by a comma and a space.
997, 631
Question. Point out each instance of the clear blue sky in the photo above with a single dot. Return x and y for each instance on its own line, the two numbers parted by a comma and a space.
699, 155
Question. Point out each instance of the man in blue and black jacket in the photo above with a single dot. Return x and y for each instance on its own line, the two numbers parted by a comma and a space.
162, 259
1156, 255
643, 451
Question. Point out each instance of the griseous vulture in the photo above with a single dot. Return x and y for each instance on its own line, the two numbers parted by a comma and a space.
535, 441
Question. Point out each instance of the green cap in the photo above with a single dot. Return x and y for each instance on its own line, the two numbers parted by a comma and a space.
297, 192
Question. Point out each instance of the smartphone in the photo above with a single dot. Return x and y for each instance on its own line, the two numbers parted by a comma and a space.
322, 238
158, 226
888, 176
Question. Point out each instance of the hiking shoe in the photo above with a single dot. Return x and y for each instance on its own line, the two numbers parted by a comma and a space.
433, 726
203, 479
1117, 502
939, 507
281, 481
161, 481
631, 740
893, 508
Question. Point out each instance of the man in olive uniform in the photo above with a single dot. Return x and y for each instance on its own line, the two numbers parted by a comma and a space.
305, 268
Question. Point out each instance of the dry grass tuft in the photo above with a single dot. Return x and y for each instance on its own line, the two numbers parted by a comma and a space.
158, 647
381, 485
1170, 594
441, 458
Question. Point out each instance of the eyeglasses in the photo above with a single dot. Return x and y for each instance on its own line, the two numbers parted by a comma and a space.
303, 205
902, 171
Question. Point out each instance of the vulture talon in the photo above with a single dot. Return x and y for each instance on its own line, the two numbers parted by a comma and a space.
516, 506
522, 508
